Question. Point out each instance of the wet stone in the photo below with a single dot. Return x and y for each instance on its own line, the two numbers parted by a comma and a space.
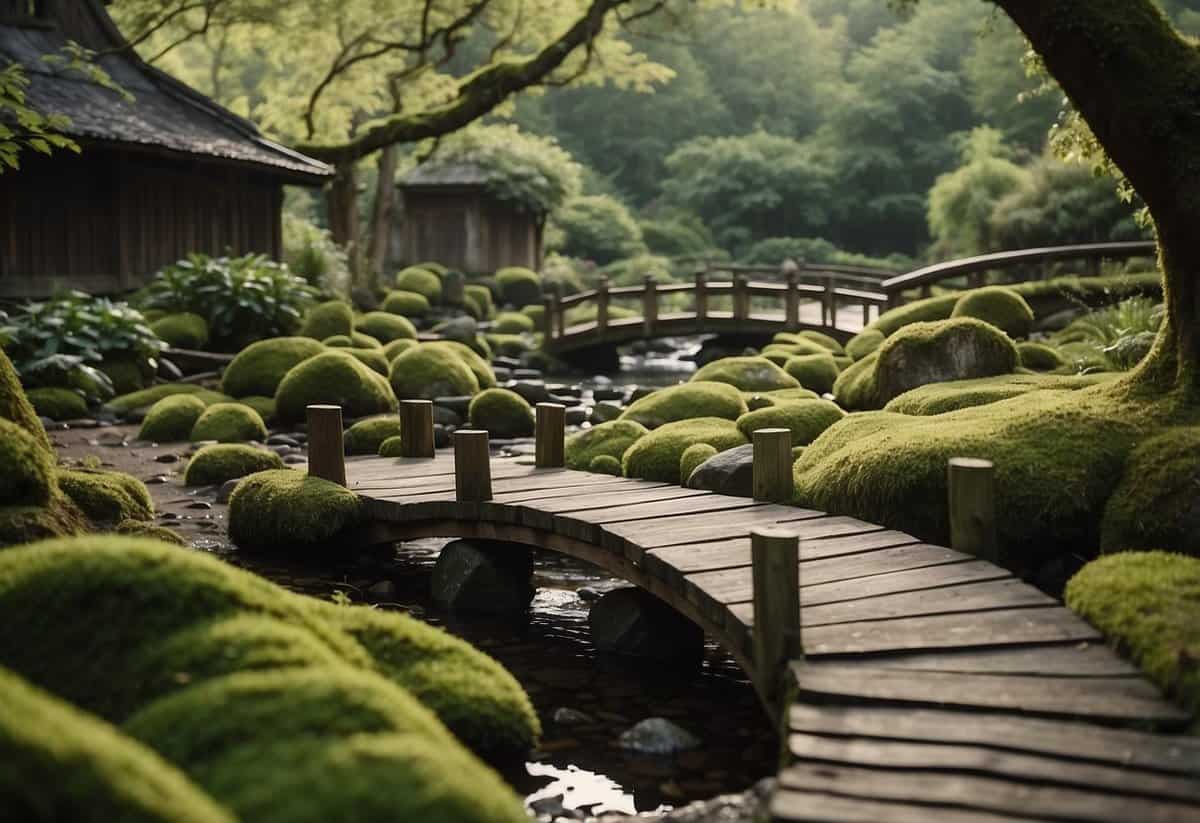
657, 735
282, 440
483, 576
608, 392
446, 417
729, 472
641, 391
605, 411
566, 716
156, 480
576, 415
201, 505
226, 490
458, 405
534, 391
527, 374
631, 622
294, 459
167, 458
82, 423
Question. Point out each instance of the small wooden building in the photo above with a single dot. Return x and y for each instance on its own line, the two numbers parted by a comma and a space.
167, 173
448, 215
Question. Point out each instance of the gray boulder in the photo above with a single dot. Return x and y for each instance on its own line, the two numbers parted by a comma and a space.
657, 735
483, 576
631, 622
729, 472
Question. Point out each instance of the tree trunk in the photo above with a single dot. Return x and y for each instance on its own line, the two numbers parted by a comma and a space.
381, 215
342, 201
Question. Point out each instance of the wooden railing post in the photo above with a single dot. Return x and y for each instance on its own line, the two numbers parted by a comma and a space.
550, 428
972, 496
772, 467
739, 297
649, 307
548, 321
866, 313
560, 320
416, 428
829, 304
775, 566
472, 466
701, 297
326, 452
602, 305
791, 319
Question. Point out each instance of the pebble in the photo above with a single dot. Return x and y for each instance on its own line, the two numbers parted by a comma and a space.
502, 373
293, 459
534, 391
509, 363
657, 735
168, 516
384, 588
527, 374
563, 399
458, 405
227, 489
167, 458
577, 415
608, 393
202, 505
82, 423
284, 451
566, 716
641, 391
282, 440
156, 480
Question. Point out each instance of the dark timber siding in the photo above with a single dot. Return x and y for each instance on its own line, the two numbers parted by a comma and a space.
465, 229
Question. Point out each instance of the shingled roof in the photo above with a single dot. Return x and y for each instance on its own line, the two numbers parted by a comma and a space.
165, 114
438, 174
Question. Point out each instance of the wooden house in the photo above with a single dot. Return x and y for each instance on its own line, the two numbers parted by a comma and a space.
448, 215
166, 173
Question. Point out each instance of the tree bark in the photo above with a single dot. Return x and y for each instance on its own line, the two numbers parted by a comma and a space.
381, 216
341, 197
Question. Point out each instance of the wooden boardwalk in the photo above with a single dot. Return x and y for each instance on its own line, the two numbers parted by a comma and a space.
933, 686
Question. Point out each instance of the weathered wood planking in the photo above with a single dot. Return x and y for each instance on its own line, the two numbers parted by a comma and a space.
789, 803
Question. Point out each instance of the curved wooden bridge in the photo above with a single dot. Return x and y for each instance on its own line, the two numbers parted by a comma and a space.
915, 682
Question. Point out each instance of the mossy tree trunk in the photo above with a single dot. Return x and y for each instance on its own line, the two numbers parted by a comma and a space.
1136, 82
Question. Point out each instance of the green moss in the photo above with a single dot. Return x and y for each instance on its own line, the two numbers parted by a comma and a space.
611, 439
26, 468
1048, 296
183, 331
1039, 356
258, 368
855, 386
366, 436
509, 345
817, 372
63, 764
215, 464
432, 370
107, 497
519, 287
145, 398
792, 394
938, 398
397, 347
746, 373
338, 341
327, 319
140, 528
813, 336
511, 322
336, 378
171, 419
406, 303
502, 412
537, 313
15, 406
374, 359
422, 282
656, 456
482, 296
1147, 604
798, 346
479, 366
362, 340
805, 418
864, 343
386, 327
1154, 506
25, 524
687, 400
605, 464
392, 447
918, 311
1000, 306
440, 269
229, 423
126, 376
57, 403
265, 406
692, 457
289, 511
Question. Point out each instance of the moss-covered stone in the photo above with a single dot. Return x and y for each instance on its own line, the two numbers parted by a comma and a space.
422, 282
612, 439
140, 528
813, 336
805, 418
278, 511
605, 464
510, 345
392, 447
184, 330
27, 524
1002, 307
792, 394
938, 398
537, 313
63, 764
107, 497
502, 413
477, 363
406, 303
258, 368
126, 375
397, 347
816, 372
171, 419
327, 319
864, 343
482, 296
215, 464
265, 406
519, 287
1039, 356
366, 436
386, 327
26, 468
692, 457
229, 423
1155, 505
1147, 604
15, 406
656, 456
145, 398
374, 359
338, 341
687, 400
362, 340
432, 370
746, 373
511, 322
58, 403
925, 310
337, 378
796, 347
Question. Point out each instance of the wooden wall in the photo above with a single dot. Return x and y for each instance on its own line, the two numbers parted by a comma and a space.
465, 229
105, 221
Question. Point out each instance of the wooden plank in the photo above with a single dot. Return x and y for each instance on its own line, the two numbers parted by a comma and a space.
1119, 700
503, 484
970, 597
704, 526
917, 556
625, 497
981, 794
1168, 754
813, 548
906, 580
802, 806
383, 483
981, 760
1065, 659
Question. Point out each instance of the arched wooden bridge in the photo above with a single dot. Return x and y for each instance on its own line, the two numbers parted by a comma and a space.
926, 684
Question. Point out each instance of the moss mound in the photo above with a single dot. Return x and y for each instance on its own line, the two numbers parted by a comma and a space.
183, 330
1039, 356
144, 398
289, 510
605, 464
609, 439
265, 406
258, 368
817, 372
687, 400
432, 370
469, 355
229, 423
63, 764
823, 339
366, 436
327, 319
509, 345
397, 347
656, 456
57, 403
406, 303
107, 497
805, 418
15, 406
925, 310
864, 343
392, 447
511, 322
519, 287
386, 327
1148, 605
421, 281
224, 461
26, 468
746, 373
939, 398
126, 375
482, 297
798, 346
502, 412
373, 358
691, 459
171, 419
1000, 306
537, 313
338, 341
336, 378
140, 528
1155, 505
25, 524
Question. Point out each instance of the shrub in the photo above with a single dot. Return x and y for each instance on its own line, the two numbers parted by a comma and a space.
213, 465
1001, 307
144, 398
700, 398
313, 255
229, 423
609, 439
172, 419
422, 282
519, 287
813, 371
1154, 504
57, 403
288, 510
327, 319
385, 327
26, 468
397, 347
258, 368
502, 412
511, 322
1039, 356
865, 342
594, 227
242, 298
406, 303
336, 378
633, 271
183, 330
675, 237
691, 459
605, 464
1147, 605
656, 456
374, 359
107, 497
429, 371
366, 436
806, 419
482, 296
746, 373
938, 398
